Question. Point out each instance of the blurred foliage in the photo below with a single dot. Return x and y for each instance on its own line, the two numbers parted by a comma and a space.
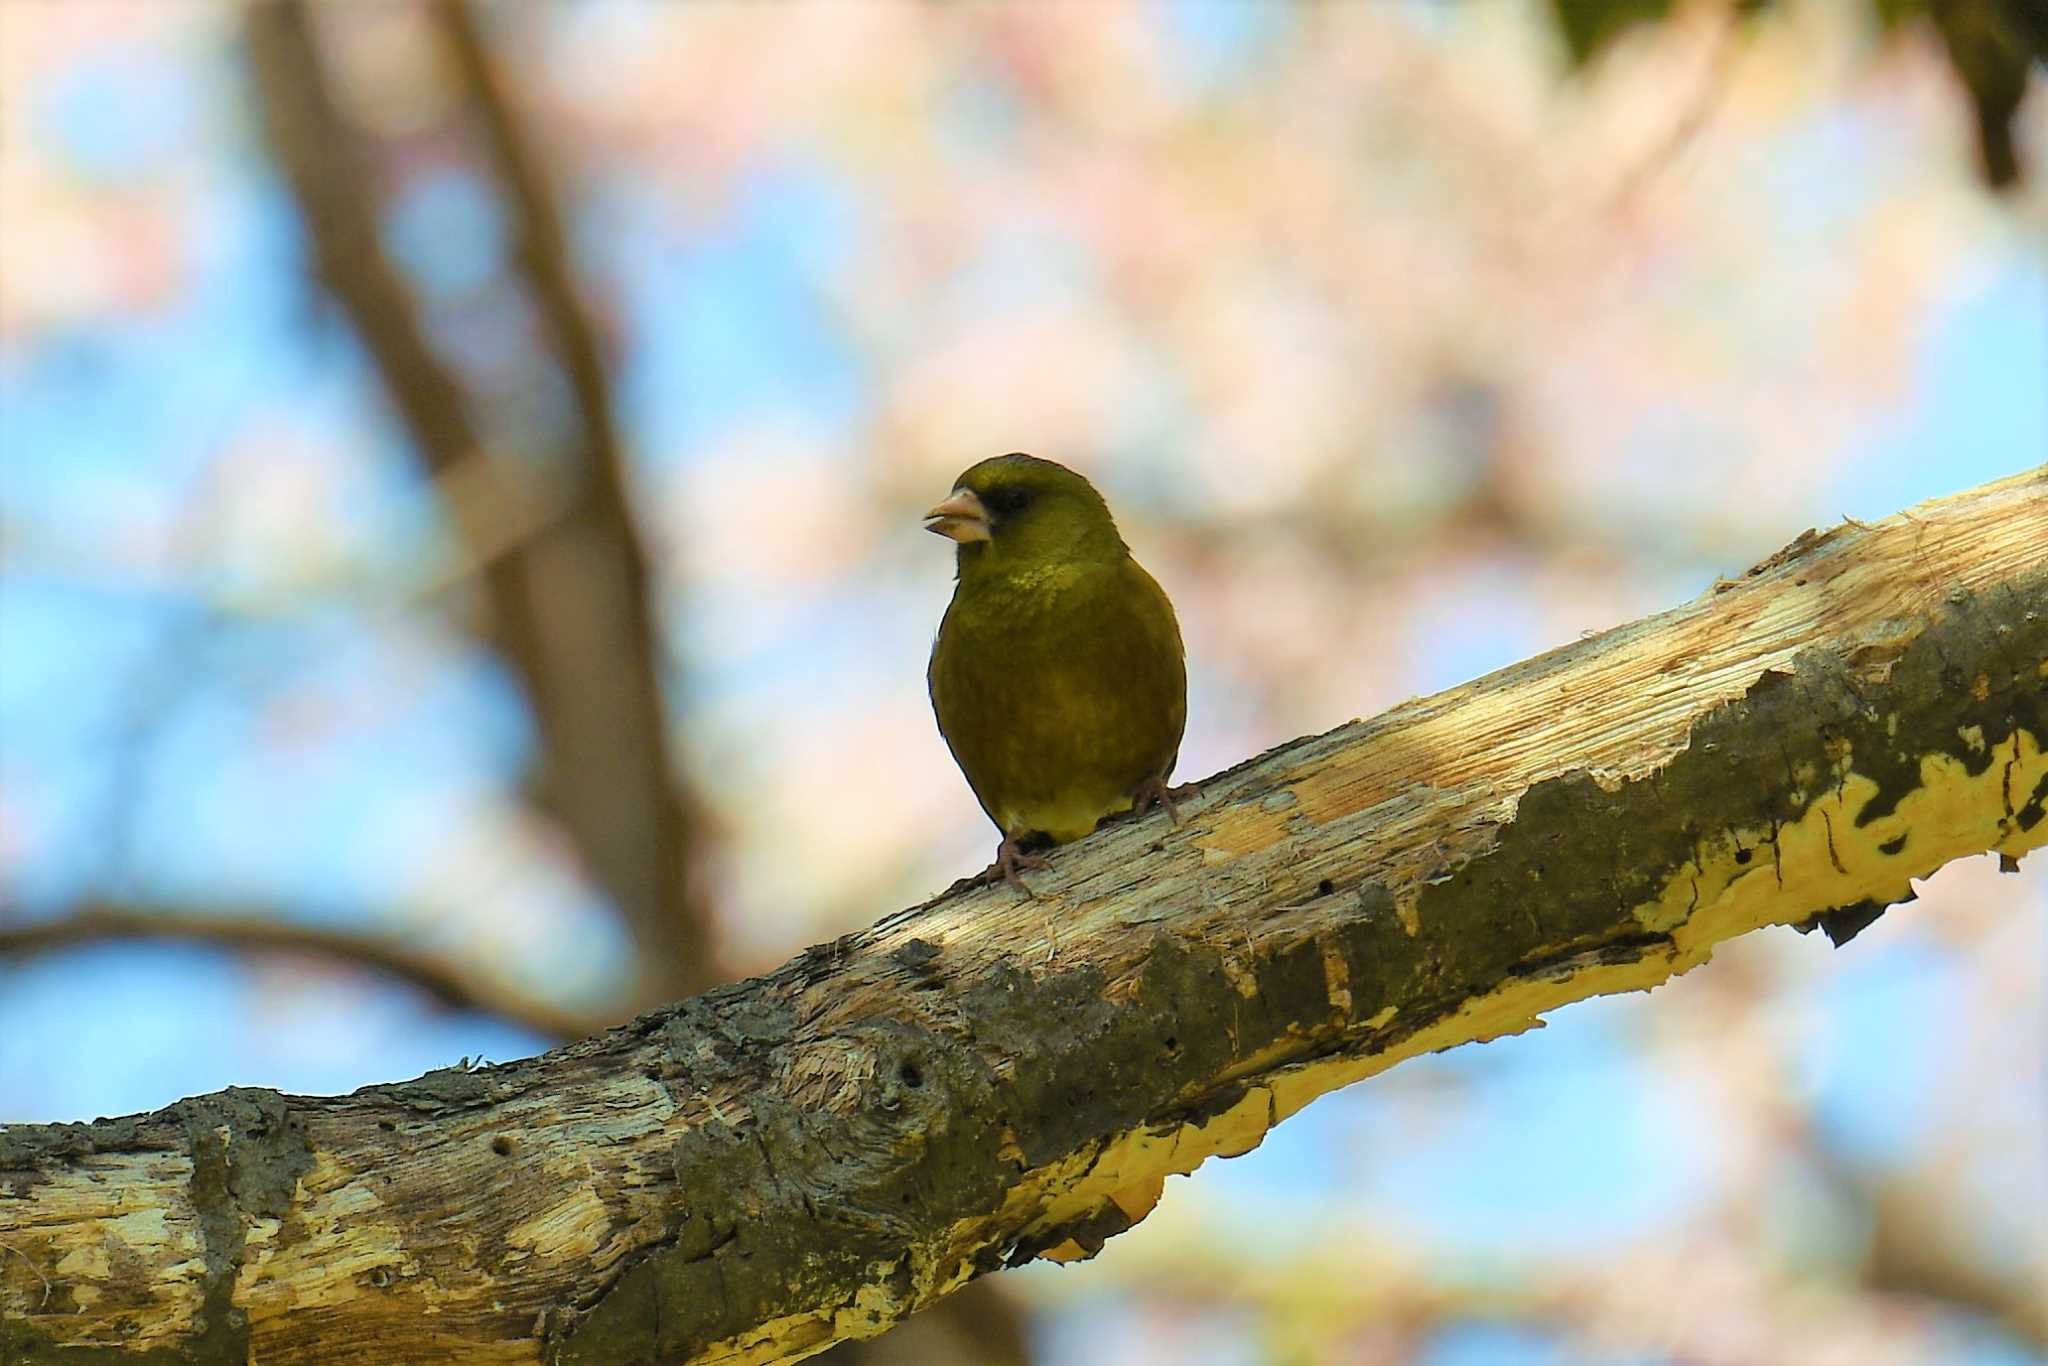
1992, 45
1589, 25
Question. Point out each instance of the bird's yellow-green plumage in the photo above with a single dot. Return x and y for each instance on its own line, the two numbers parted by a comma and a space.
1058, 676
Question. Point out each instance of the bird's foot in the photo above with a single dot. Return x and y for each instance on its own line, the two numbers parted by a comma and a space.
1012, 859
1154, 792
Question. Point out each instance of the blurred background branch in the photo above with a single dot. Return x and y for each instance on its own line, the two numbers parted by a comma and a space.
445, 978
569, 605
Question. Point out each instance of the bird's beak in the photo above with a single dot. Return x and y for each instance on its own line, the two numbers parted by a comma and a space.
961, 517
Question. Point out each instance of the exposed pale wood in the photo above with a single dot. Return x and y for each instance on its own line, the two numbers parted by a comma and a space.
809, 1156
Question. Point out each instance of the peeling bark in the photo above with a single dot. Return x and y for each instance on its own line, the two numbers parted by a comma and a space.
773, 1166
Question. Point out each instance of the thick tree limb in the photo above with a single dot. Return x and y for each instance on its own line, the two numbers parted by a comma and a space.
812, 1155
446, 979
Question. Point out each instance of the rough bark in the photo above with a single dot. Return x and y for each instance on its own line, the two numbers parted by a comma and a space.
809, 1156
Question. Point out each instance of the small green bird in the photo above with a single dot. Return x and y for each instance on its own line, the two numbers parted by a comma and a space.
1058, 676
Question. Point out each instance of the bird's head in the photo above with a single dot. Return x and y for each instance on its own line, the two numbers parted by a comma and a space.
1018, 510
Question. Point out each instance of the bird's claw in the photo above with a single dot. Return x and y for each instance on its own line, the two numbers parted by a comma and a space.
1011, 860
1155, 792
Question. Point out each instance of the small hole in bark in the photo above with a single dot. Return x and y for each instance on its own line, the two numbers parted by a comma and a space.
1893, 845
502, 1145
1743, 855
387, 1125
1172, 1044
1325, 887
910, 1075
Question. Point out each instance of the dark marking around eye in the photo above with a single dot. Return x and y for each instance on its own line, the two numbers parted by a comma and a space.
1006, 500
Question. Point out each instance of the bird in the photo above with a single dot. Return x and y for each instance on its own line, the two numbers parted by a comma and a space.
1058, 677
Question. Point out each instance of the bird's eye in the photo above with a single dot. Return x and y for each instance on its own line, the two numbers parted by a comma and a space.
1007, 500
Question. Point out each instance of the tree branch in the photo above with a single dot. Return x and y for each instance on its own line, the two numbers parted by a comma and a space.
570, 599
451, 983
637, 824
812, 1155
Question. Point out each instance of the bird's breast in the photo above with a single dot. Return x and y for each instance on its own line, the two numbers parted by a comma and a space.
1059, 694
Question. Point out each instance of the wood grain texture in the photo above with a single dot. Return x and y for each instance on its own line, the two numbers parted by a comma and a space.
809, 1156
